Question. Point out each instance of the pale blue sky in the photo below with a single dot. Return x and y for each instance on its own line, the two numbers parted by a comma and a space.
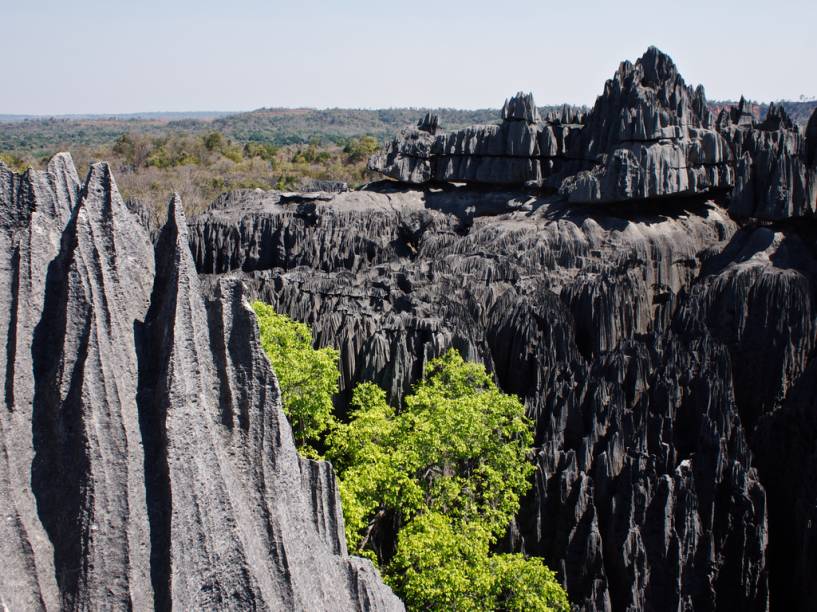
95, 56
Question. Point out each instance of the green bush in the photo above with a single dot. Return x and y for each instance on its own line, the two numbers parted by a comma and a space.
16, 163
359, 149
448, 471
266, 152
308, 377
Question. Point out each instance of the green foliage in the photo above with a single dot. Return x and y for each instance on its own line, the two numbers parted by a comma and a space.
526, 583
16, 163
448, 472
359, 149
308, 377
214, 141
267, 152
440, 567
134, 148
286, 182
310, 155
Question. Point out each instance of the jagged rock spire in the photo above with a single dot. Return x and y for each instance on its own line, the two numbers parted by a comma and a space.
649, 135
145, 460
520, 107
430, 123
811, 140
776, 118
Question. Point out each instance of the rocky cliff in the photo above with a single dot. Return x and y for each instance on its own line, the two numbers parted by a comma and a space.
644, 277
640, 438
145, 461
649, 136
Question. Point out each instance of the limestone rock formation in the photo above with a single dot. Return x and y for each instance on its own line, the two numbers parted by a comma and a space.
646, 496
662, 338
775, 179
520, 150
648, 136
663, 344
145, 459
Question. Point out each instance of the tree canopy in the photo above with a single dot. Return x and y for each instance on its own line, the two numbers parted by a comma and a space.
427, 491
308, 377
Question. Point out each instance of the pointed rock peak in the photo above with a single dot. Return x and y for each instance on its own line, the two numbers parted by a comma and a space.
174, 231
175, 212
657, 67
723, 120
65, 183
742, 113
776, 119
520, 107
430, 123
811, 140
100, 189
62, 164
700, 107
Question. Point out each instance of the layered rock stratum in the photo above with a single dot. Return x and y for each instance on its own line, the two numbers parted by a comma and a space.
642, 276
649, 136
145, 460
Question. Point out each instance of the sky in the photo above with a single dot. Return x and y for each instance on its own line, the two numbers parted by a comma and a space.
114, 56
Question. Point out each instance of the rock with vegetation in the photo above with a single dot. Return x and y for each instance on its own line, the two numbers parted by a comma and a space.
146, 460
426, 492
640, 442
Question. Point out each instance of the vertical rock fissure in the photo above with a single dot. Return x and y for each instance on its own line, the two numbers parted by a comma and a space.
11, 342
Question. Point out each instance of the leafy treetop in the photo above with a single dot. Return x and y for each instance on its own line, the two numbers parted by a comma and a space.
308, 377
426, 492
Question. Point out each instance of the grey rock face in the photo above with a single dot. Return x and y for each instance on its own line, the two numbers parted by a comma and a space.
312, 185
520, 108
146, 462
35, 207
774, 178
520, 150
606, 323
648, 136
430, 123
811, 141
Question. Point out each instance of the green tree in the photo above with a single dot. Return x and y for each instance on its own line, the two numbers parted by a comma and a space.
267, 152
214, 141
442, 567
359, 149
427, 491
308, 377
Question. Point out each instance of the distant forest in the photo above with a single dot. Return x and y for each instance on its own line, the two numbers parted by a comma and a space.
200, 155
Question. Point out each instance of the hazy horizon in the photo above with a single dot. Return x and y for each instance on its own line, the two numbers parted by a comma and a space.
92, 58
148, 114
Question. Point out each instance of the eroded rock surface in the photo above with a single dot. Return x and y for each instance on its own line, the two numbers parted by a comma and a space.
642, 343
643, 276
649, 136
145, 460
